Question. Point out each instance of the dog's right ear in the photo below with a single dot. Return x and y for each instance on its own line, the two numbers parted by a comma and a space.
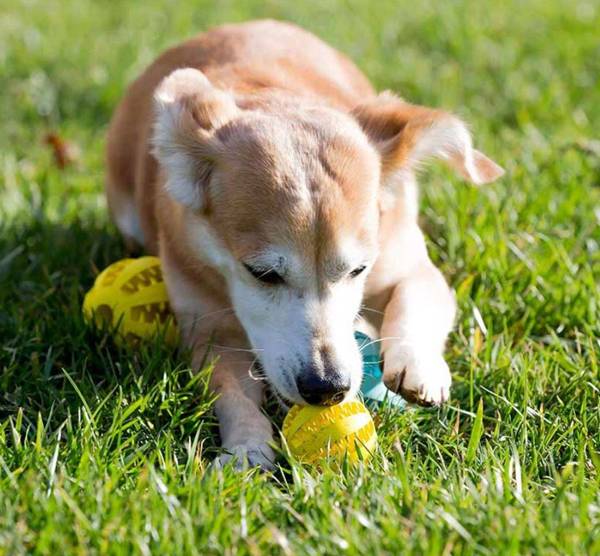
189, 110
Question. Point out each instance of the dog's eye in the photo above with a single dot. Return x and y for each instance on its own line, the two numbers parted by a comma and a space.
358, 270
267, 276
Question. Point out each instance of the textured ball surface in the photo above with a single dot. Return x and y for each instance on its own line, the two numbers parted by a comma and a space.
130, 295
314, 433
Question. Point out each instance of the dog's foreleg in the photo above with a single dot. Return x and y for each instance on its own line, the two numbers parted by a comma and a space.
416, 322
245, 432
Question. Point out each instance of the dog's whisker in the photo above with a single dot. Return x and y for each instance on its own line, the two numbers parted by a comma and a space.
250, 376
256, 373
364, 308
379, 340
233, 348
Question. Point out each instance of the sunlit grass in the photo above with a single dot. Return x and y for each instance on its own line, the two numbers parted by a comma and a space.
106, 450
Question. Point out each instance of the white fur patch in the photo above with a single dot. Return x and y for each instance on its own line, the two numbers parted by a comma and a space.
401, 183
206, 243
128, 222
125, 214
284, 326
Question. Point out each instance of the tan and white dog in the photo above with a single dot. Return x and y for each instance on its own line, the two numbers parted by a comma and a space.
279, 191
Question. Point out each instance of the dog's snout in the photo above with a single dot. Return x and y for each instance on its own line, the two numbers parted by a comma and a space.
319, 389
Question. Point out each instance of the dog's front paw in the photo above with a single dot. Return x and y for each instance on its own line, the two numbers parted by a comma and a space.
423, 380
244, 456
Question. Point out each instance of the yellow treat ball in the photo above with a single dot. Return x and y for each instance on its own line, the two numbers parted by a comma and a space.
314, 433
131, 293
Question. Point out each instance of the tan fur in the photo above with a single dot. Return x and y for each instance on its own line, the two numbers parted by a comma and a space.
280, 140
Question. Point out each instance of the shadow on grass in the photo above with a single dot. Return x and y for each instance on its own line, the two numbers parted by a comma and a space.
56, 368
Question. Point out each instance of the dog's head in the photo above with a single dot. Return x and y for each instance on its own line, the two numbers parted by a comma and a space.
286, 201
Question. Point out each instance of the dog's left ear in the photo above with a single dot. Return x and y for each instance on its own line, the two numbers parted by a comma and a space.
407, 135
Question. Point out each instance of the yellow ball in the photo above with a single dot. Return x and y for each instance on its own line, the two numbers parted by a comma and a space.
131, 293
314, 433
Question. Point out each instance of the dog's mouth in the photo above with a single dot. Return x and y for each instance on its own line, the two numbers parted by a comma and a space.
286, 403
258, 373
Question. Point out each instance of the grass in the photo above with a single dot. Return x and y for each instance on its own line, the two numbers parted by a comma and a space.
105, 451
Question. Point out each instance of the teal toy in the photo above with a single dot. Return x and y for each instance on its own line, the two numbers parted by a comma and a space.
372, 388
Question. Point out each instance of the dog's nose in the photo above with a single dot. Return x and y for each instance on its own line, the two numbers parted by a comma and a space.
322, 390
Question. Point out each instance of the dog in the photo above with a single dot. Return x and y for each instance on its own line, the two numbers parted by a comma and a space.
279, 190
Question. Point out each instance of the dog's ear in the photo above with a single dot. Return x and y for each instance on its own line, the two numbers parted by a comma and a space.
407, 135
188, 112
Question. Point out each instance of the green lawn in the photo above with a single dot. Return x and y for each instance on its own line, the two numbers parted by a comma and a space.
106, 451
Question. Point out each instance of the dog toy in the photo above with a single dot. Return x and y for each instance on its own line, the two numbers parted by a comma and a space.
130, 296
314, 433
372, 388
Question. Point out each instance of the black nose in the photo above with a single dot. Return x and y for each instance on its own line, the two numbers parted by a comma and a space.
322, 390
